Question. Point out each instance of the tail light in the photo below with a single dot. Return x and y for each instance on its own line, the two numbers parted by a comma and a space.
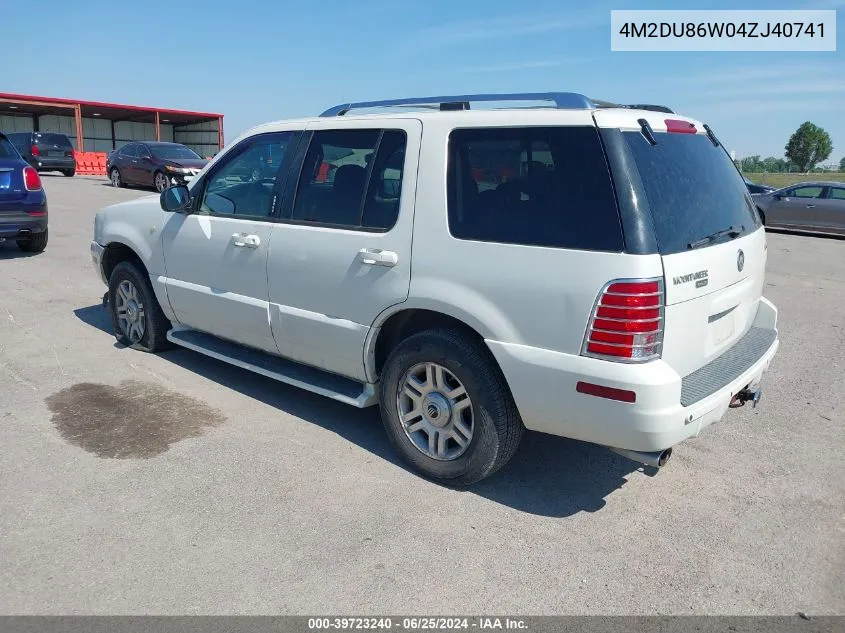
35, 151
627, 321
31, 179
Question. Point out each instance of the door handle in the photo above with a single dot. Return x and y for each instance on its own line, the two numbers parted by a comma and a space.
811, 206
377, 257
247, 241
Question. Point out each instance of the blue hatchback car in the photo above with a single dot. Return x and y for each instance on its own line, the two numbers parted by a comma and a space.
23, 202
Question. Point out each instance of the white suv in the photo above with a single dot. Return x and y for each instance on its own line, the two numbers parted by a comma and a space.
587, 270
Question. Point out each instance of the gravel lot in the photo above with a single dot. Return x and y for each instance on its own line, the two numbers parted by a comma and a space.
174, 484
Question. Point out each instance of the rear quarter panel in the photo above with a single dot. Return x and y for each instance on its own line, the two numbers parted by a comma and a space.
528, 295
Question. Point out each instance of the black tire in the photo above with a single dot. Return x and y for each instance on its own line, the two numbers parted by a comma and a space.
498, 427
116, 178
70, 173
156, 324
35, 244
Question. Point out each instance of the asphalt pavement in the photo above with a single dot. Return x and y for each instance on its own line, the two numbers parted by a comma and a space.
133, 483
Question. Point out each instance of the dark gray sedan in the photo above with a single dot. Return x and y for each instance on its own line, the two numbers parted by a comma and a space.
805, 206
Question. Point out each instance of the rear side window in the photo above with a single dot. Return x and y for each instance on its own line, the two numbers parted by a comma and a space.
536, 186
7, 150
129, 150
352, 179
837, 193
693, 189
53, 139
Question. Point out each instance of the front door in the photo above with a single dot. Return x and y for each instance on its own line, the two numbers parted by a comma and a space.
341, 253
796, 207
216, 256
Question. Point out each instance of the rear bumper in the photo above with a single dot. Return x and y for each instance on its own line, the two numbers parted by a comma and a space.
46, 163
23, 217
543, 384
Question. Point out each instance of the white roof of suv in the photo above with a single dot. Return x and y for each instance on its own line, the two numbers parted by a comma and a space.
456, 106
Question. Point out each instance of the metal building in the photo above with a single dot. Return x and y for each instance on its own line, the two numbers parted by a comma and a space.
101, 127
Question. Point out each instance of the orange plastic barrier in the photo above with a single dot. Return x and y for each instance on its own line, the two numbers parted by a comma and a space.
323, 173
90, 163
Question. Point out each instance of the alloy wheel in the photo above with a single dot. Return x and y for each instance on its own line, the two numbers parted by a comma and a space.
130, 311
436, 411
160, 182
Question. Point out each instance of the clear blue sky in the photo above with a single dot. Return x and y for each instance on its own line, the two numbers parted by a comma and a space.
257, 61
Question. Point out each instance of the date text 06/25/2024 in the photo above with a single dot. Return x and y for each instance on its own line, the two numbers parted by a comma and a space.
416, 623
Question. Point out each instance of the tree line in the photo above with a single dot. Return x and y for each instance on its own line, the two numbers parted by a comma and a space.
808, 146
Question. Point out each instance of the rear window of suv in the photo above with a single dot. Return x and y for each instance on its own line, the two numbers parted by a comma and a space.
535, 186
693, 189
53, 139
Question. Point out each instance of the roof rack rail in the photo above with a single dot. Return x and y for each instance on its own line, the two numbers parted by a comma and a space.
653, 108
634, 106
561, 100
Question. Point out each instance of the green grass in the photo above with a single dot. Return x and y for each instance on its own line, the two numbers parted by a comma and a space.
783, 180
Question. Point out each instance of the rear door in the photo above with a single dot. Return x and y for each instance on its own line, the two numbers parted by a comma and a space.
123, 161
712, 244
142, 166
342, 251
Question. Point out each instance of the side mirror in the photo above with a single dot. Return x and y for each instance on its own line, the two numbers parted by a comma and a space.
175, 199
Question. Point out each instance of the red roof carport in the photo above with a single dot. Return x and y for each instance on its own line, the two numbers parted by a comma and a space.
34, 107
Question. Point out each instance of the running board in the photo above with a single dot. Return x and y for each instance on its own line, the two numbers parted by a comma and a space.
292, 373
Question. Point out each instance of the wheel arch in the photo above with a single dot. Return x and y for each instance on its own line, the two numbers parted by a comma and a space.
117, 252
406, 319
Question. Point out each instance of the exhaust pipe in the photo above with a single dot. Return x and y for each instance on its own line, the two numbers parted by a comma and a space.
656, 459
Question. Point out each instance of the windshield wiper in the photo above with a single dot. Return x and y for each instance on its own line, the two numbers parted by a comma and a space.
704, 241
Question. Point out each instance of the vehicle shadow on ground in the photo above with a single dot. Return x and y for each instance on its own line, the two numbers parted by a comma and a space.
131, 187
549, 476
95, 316
9, 250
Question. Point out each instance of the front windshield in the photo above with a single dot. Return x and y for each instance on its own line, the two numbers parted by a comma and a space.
173, 152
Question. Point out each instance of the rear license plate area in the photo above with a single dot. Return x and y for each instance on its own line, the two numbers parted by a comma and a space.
721, 327
5, 180
55, 154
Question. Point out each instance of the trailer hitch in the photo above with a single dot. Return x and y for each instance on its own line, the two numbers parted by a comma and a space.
748, 394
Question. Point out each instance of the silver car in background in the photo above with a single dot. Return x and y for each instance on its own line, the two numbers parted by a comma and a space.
805, 206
